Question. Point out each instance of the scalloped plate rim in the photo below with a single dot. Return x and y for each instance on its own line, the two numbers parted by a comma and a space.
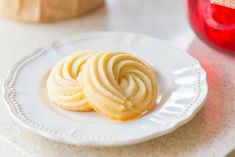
181, 121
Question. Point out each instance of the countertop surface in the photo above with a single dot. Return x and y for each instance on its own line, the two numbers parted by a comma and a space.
210, 133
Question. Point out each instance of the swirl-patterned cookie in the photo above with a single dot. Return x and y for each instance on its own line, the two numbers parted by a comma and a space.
64, 86
118, 85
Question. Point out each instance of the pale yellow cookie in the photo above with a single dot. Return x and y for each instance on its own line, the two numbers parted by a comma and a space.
64, 86
118, 85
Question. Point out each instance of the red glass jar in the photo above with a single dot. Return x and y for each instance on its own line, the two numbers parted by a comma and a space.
214, 23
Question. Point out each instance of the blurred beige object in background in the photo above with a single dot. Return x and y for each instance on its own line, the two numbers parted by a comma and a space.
46, 10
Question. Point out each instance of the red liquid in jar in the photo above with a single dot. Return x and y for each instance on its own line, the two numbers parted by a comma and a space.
213, 23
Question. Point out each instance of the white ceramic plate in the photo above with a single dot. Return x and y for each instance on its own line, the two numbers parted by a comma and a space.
182, 83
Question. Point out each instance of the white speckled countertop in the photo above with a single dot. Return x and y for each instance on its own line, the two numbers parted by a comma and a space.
210, 133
